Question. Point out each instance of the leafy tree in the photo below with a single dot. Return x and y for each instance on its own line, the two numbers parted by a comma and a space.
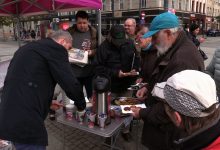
5, 21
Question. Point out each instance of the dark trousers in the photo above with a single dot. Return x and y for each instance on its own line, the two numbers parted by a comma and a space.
87, 82
19, 146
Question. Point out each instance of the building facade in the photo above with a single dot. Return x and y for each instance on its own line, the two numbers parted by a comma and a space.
202, 12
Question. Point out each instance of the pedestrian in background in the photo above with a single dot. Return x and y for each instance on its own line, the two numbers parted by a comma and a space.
194, 31
175, 53
28, 90
85, 38
191, 103
213, 69
130, 28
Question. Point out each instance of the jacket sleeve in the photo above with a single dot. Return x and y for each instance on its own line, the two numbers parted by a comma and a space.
137, 63
100, 62
155, 115
62, 73
210, 69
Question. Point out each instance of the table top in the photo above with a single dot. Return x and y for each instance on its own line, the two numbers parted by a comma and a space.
108, 131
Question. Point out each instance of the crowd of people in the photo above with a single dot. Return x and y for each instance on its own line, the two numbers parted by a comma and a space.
182, 108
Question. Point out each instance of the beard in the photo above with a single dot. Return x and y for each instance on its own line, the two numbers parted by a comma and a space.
162, 49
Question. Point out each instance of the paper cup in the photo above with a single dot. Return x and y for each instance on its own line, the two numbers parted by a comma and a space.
80, 116
91, 120
69, 111
102, 119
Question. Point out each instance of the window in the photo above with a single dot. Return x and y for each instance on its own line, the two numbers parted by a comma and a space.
187, 3
110, 4
103, 6
130, 6
173, 3
180, 5
200, 7
121, 6
193, 5
197, 6
143, 4
203, 8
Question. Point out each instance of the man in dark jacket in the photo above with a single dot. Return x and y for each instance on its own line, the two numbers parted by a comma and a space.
175, 53
116, 57
85, 38
28, 90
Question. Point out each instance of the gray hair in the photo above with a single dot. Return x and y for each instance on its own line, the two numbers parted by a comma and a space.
132, 20
174, 30
61, 34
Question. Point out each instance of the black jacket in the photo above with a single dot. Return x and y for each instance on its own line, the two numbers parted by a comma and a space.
28, 90
110, 60
201, 139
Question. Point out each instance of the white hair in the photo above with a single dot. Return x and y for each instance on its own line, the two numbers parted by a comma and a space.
174, 30
132, 20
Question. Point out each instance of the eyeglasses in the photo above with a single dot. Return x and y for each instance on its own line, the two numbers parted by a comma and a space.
128, 25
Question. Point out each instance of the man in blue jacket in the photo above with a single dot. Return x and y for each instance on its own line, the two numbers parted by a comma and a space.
28, 89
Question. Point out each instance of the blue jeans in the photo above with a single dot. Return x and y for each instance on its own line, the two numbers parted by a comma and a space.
19, 146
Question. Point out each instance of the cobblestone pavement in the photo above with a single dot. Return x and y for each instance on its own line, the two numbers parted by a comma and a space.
62, 137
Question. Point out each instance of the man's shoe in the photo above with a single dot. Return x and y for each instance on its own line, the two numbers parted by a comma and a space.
127, 137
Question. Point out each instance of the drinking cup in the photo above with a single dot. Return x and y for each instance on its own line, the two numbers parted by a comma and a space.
69, 111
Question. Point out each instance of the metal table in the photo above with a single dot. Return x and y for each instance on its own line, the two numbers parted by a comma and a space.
112, 130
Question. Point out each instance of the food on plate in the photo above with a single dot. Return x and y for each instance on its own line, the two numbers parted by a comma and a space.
127, 109
128, 101
133, 106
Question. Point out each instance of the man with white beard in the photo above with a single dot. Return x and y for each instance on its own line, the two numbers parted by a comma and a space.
175, 53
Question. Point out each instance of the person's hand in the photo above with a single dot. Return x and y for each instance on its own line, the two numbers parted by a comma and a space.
139, 80
90, 52
55, 105
141, 92
201, 40
133, 72
122, 74
136, 111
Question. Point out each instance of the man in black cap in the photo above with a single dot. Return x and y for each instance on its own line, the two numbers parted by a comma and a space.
117, 58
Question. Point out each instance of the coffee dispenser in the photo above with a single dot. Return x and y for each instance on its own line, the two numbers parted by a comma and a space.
102, 97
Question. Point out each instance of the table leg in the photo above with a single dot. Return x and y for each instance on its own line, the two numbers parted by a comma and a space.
113, 141
64, 137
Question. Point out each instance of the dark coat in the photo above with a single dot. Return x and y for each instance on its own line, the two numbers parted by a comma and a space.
194, 39
148, 59
181, 56
28, 90
207, 138
110, 60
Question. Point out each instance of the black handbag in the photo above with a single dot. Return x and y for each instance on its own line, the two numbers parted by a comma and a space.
204, 56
